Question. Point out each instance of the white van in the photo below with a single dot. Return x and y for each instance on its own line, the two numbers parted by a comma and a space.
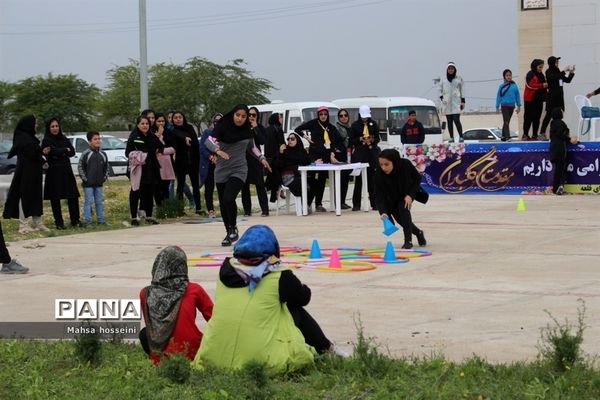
296, 113
392, 112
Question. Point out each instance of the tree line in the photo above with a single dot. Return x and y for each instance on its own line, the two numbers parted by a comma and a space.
198, 88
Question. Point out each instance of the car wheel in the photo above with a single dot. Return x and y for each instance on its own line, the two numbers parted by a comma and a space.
110, 171
10, 171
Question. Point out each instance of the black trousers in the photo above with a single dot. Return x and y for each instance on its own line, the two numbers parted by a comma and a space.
195, 180
357, 194
144, 198
312, 332
228, 192
531, 117
507, 113
560, 174
73, 211
344, 182
4, 254
547, 118
209, 188
316, 182
161, 192
261, 192
403, 216
450, 118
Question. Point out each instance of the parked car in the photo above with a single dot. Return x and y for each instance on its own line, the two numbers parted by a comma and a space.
114, 148
486, 135
7, 165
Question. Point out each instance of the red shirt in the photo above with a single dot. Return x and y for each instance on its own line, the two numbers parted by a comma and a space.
186, 336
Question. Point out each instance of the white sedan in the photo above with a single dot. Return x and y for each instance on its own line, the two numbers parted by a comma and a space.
486, 135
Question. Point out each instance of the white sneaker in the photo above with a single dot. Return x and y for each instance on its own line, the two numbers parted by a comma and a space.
338, 351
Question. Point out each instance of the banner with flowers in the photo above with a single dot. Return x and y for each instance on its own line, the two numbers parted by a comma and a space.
508, 168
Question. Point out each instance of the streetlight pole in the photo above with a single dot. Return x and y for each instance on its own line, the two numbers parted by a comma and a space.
143, 57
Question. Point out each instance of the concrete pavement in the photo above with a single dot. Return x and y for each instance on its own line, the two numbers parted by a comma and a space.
484, 290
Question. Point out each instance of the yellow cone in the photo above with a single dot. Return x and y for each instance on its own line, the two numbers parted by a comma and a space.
521, 204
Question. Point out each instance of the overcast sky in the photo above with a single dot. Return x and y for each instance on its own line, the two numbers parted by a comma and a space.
309, 49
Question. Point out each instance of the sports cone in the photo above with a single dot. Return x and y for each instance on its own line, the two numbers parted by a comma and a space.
389, 227
390, 253
521, 204
334, 261
315, 250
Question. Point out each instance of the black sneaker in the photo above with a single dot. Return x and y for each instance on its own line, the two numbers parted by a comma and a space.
356, 208
152, 221
345, 206
233, 234
265, 214
226, 241
60, 227
407, 245
421, 238
135, 222
320, 209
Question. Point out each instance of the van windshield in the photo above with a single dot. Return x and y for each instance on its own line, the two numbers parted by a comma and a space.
427, 115
311, 113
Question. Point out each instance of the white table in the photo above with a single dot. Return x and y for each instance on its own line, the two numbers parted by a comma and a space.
334, 181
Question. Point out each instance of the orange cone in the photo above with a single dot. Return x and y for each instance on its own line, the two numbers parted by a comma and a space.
334, 260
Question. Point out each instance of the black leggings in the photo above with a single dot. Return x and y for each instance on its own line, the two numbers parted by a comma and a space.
4, 254
312, 332
548, 117
195, 180
533, 113
404, 218
228, 192
261, 192
507, 112
73, 211
456, 119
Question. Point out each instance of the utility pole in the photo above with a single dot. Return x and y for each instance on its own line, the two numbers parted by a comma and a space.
143, 58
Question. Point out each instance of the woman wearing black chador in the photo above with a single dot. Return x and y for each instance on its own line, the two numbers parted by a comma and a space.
60, 181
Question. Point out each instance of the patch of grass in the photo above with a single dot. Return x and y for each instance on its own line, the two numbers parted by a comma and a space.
560, 342
171, 208
176, 368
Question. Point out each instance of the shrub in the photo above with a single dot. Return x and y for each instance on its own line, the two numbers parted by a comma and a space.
175, 368
561, 342
88, 345
171, 208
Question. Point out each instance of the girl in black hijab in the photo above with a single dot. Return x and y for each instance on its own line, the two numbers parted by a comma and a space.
290, 158
396, 184
60, 181
534, 97
234, 137
26, 185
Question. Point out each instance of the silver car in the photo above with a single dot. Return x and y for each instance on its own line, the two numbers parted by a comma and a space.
486, 135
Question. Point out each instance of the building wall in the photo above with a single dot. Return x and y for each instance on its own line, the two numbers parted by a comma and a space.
569, 29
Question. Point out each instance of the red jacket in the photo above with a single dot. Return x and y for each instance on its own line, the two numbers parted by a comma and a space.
531, 86
186, 336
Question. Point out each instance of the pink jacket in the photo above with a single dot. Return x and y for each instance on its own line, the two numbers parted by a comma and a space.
136, 160
167, 173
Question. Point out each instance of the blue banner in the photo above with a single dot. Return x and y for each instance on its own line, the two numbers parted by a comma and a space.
503, 168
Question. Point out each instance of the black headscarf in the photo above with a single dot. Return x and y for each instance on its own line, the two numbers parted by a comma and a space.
228, 132
163, 296
274, 119
401, 181
24, 134
533, 71
297, 154
449, 76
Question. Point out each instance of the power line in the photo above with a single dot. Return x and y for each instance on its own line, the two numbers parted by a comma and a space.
218, 19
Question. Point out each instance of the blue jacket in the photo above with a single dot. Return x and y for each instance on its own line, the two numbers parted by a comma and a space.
204, 155
511, 96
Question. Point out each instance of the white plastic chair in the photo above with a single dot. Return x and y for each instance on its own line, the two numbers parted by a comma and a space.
582, 101
288, 197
